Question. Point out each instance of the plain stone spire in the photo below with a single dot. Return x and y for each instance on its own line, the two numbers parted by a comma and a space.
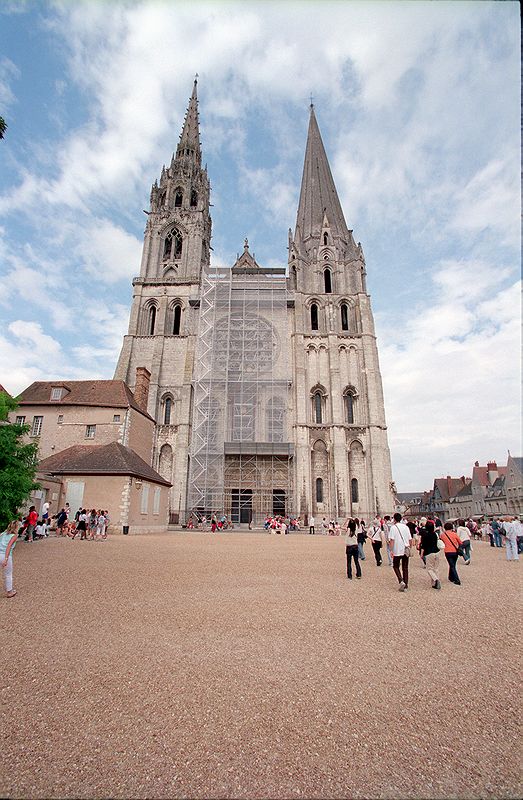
318, 195
189, 144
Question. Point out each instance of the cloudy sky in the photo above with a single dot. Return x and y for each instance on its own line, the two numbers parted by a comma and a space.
418, 104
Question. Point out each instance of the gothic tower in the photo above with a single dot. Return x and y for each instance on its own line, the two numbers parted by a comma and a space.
164, 315
342, 460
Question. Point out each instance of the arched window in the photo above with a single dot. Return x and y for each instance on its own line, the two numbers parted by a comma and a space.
344, 317
319, 490
167, 407
354, 490
349, 408
178, 198
151, 320
328, 281
173, 244
177, 318
161, 199
325, 239
318, 411
314, 317
194, 199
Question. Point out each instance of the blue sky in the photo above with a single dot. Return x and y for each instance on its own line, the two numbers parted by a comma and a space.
418, 105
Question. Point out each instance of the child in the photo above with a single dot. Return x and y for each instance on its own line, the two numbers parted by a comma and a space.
8, 541
40, 529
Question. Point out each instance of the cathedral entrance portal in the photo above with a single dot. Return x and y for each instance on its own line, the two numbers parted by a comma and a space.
241, 505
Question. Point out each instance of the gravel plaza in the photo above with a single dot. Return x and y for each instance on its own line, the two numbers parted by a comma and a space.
245, 665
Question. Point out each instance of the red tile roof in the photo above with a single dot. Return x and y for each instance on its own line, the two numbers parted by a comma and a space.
108, 394
105, 459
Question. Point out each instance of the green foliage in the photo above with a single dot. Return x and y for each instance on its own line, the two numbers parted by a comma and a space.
18, 462
3, 126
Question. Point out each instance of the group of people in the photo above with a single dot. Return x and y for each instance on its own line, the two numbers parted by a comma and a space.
429, 537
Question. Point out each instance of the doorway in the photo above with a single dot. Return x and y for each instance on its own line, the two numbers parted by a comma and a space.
241, 505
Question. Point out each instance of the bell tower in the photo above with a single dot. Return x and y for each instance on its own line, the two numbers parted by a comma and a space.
166, 297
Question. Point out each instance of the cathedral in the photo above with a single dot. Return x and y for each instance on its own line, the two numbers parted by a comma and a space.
264, 384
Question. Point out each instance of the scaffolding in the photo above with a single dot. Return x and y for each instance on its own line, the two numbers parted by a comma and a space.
241, 454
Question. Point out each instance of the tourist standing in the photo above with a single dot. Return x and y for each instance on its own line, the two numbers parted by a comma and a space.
362, 535
311, 525
429, 551
351, 549
45, 511
376, 540
464, 536
386, 529
400, 543
60, 522
8, 540
452, 544
32, 519
497, 530
511, 539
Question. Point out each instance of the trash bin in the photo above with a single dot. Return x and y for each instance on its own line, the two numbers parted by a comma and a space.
125, 530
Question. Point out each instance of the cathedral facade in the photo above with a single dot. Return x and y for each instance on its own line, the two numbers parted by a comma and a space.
264, 383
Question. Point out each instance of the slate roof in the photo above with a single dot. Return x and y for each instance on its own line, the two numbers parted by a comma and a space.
107, 394
466, 491
105, 459
449, 487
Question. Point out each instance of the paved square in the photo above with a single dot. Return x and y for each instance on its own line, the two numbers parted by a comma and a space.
247, 665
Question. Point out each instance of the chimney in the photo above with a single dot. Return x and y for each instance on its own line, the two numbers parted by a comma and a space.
476, 463
492, 466
141, 389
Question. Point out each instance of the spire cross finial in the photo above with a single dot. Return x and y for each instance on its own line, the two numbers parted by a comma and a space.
196, 77
246, 244
312, 104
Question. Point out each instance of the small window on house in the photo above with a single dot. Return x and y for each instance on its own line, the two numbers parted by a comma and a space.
20, 421
90, 431
314, 317
156, 500
60, 419
36, 428
56, 393
144, 505
152, 320
325, 239
344, 317
194, 199
328, 281
318, 416
167, 411
319, 490
116, 417
354, 490
177, 317
349, 408
178, 199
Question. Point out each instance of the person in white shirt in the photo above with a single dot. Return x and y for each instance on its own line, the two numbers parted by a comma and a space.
375, 539
45, 511
512, 529
311, 525
399, 539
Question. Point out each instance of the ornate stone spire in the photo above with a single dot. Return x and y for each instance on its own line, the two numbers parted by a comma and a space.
318, 196
189, 145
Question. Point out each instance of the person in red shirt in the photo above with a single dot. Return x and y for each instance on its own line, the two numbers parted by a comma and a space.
32, 519
451, 541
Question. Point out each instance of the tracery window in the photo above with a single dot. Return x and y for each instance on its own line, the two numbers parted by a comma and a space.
194, 199
178, 198
173, 244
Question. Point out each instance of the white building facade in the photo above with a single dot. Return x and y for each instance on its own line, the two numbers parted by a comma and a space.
265, 383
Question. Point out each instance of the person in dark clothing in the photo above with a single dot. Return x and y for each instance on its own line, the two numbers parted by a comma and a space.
451, 541
429, 551
351, 549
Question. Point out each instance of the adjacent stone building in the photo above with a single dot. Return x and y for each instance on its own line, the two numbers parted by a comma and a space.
265, 385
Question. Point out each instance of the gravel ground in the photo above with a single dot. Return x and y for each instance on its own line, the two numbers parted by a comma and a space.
248, 666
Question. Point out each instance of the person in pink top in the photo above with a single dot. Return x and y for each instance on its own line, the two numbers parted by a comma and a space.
452, 543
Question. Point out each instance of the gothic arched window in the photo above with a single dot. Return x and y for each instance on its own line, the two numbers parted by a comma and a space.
194, 199
325, 239
328, 281
173, 244
318, 410
349, 408
314, 317
178, 198
319, 490
177, 318
354, 493
151, 320
344, 317
167, 408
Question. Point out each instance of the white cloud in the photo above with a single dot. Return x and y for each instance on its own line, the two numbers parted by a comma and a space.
8, 72
107, 252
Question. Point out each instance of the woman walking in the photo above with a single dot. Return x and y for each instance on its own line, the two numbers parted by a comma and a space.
8, 539
362, 536
376, 539
452, 542
464, 536
429, 551
351, 549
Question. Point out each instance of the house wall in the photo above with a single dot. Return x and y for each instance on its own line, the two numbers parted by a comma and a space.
142, 522
140, 435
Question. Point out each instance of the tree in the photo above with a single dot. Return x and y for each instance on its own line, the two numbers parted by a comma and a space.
3, 126
18, 463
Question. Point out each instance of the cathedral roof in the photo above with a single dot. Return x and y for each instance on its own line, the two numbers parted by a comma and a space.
190, 136
318, 195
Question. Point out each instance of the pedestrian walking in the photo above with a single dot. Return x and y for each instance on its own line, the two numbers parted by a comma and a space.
376, 539
452, 544
429, 551
362, 536
464, 536
311, 525
511, 527
45, 511
497, 530
386, 529
351, 549
8, 540
400, 542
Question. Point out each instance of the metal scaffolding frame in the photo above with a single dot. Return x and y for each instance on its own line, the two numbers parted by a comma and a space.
241, 453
